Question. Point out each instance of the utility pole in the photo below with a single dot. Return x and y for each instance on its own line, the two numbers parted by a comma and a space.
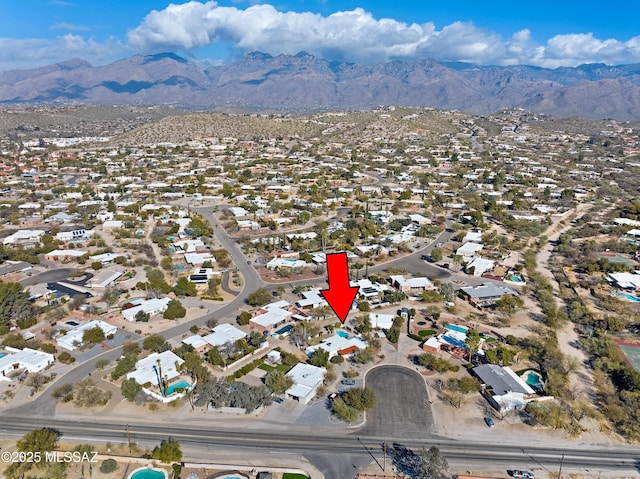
384, 448
129, 438
561, 462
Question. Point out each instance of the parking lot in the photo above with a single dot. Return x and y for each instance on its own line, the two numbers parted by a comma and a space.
402, 409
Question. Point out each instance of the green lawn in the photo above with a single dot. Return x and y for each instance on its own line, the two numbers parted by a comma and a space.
290, 475
426, 332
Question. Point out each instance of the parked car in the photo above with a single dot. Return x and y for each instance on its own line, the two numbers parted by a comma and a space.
348, 382
278, 400
489, 422
520, 474
332, 396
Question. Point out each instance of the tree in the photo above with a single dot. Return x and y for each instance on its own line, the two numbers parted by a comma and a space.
94, 335
77, 301
193, 365
108, 466
38, 440
244, 318
123, 366
166, 263
174, 310
96, 265
509, 304
320, 358
360, 398
168, 451
213, 285
436, 254
343, 411
433, 465
199, 227
130, 348
364, 356
130, 389
63, 393
278, 382
302, 331
87, 394
447, 290
184, 287
259, 297
14, 303
142, 317
472, 342
36, 381
156, 343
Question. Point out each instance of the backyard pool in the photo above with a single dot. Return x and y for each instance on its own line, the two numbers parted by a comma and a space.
455, 327
2, 355
342, 334
179, 385
515, 279
533, 379
148, 474
628, 297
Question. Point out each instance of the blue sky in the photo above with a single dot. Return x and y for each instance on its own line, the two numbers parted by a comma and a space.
544, 33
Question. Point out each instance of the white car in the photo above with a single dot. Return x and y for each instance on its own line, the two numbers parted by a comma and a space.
522, 474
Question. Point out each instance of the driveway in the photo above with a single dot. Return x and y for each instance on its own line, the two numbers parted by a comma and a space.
402, 409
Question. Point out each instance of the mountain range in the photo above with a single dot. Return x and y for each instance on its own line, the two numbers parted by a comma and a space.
302, 82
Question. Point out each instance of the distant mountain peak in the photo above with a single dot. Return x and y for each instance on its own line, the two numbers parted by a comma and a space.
164, 56
304, 82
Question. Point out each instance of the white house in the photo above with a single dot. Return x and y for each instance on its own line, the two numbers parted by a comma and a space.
411, 285
23, 236
479, 266
26, 359
148, 369
150, 306
72, 340
468, 251
381, 321
306, 381
311, 299
337, 344
223, 334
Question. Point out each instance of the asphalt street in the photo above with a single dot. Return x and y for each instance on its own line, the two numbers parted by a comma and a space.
336, 455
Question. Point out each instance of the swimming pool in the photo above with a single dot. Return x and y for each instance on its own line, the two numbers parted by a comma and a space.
342, 334
148, 474
628, 297
515, 279
2, 355
455, 327
179, 385
454, 342
534, 380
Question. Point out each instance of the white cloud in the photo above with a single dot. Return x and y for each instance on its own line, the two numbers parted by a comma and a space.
33, 52
357, 36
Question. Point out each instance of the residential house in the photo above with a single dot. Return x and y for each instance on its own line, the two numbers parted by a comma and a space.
411, 286
23, 238
273, 315
503, 388
27, 360
306, 381
151, 307
486, 295
72, 339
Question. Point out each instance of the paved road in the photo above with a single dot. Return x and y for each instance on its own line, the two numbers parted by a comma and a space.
336, 455
402, 408
51, 276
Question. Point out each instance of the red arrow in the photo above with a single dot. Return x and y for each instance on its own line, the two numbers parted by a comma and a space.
340, 294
